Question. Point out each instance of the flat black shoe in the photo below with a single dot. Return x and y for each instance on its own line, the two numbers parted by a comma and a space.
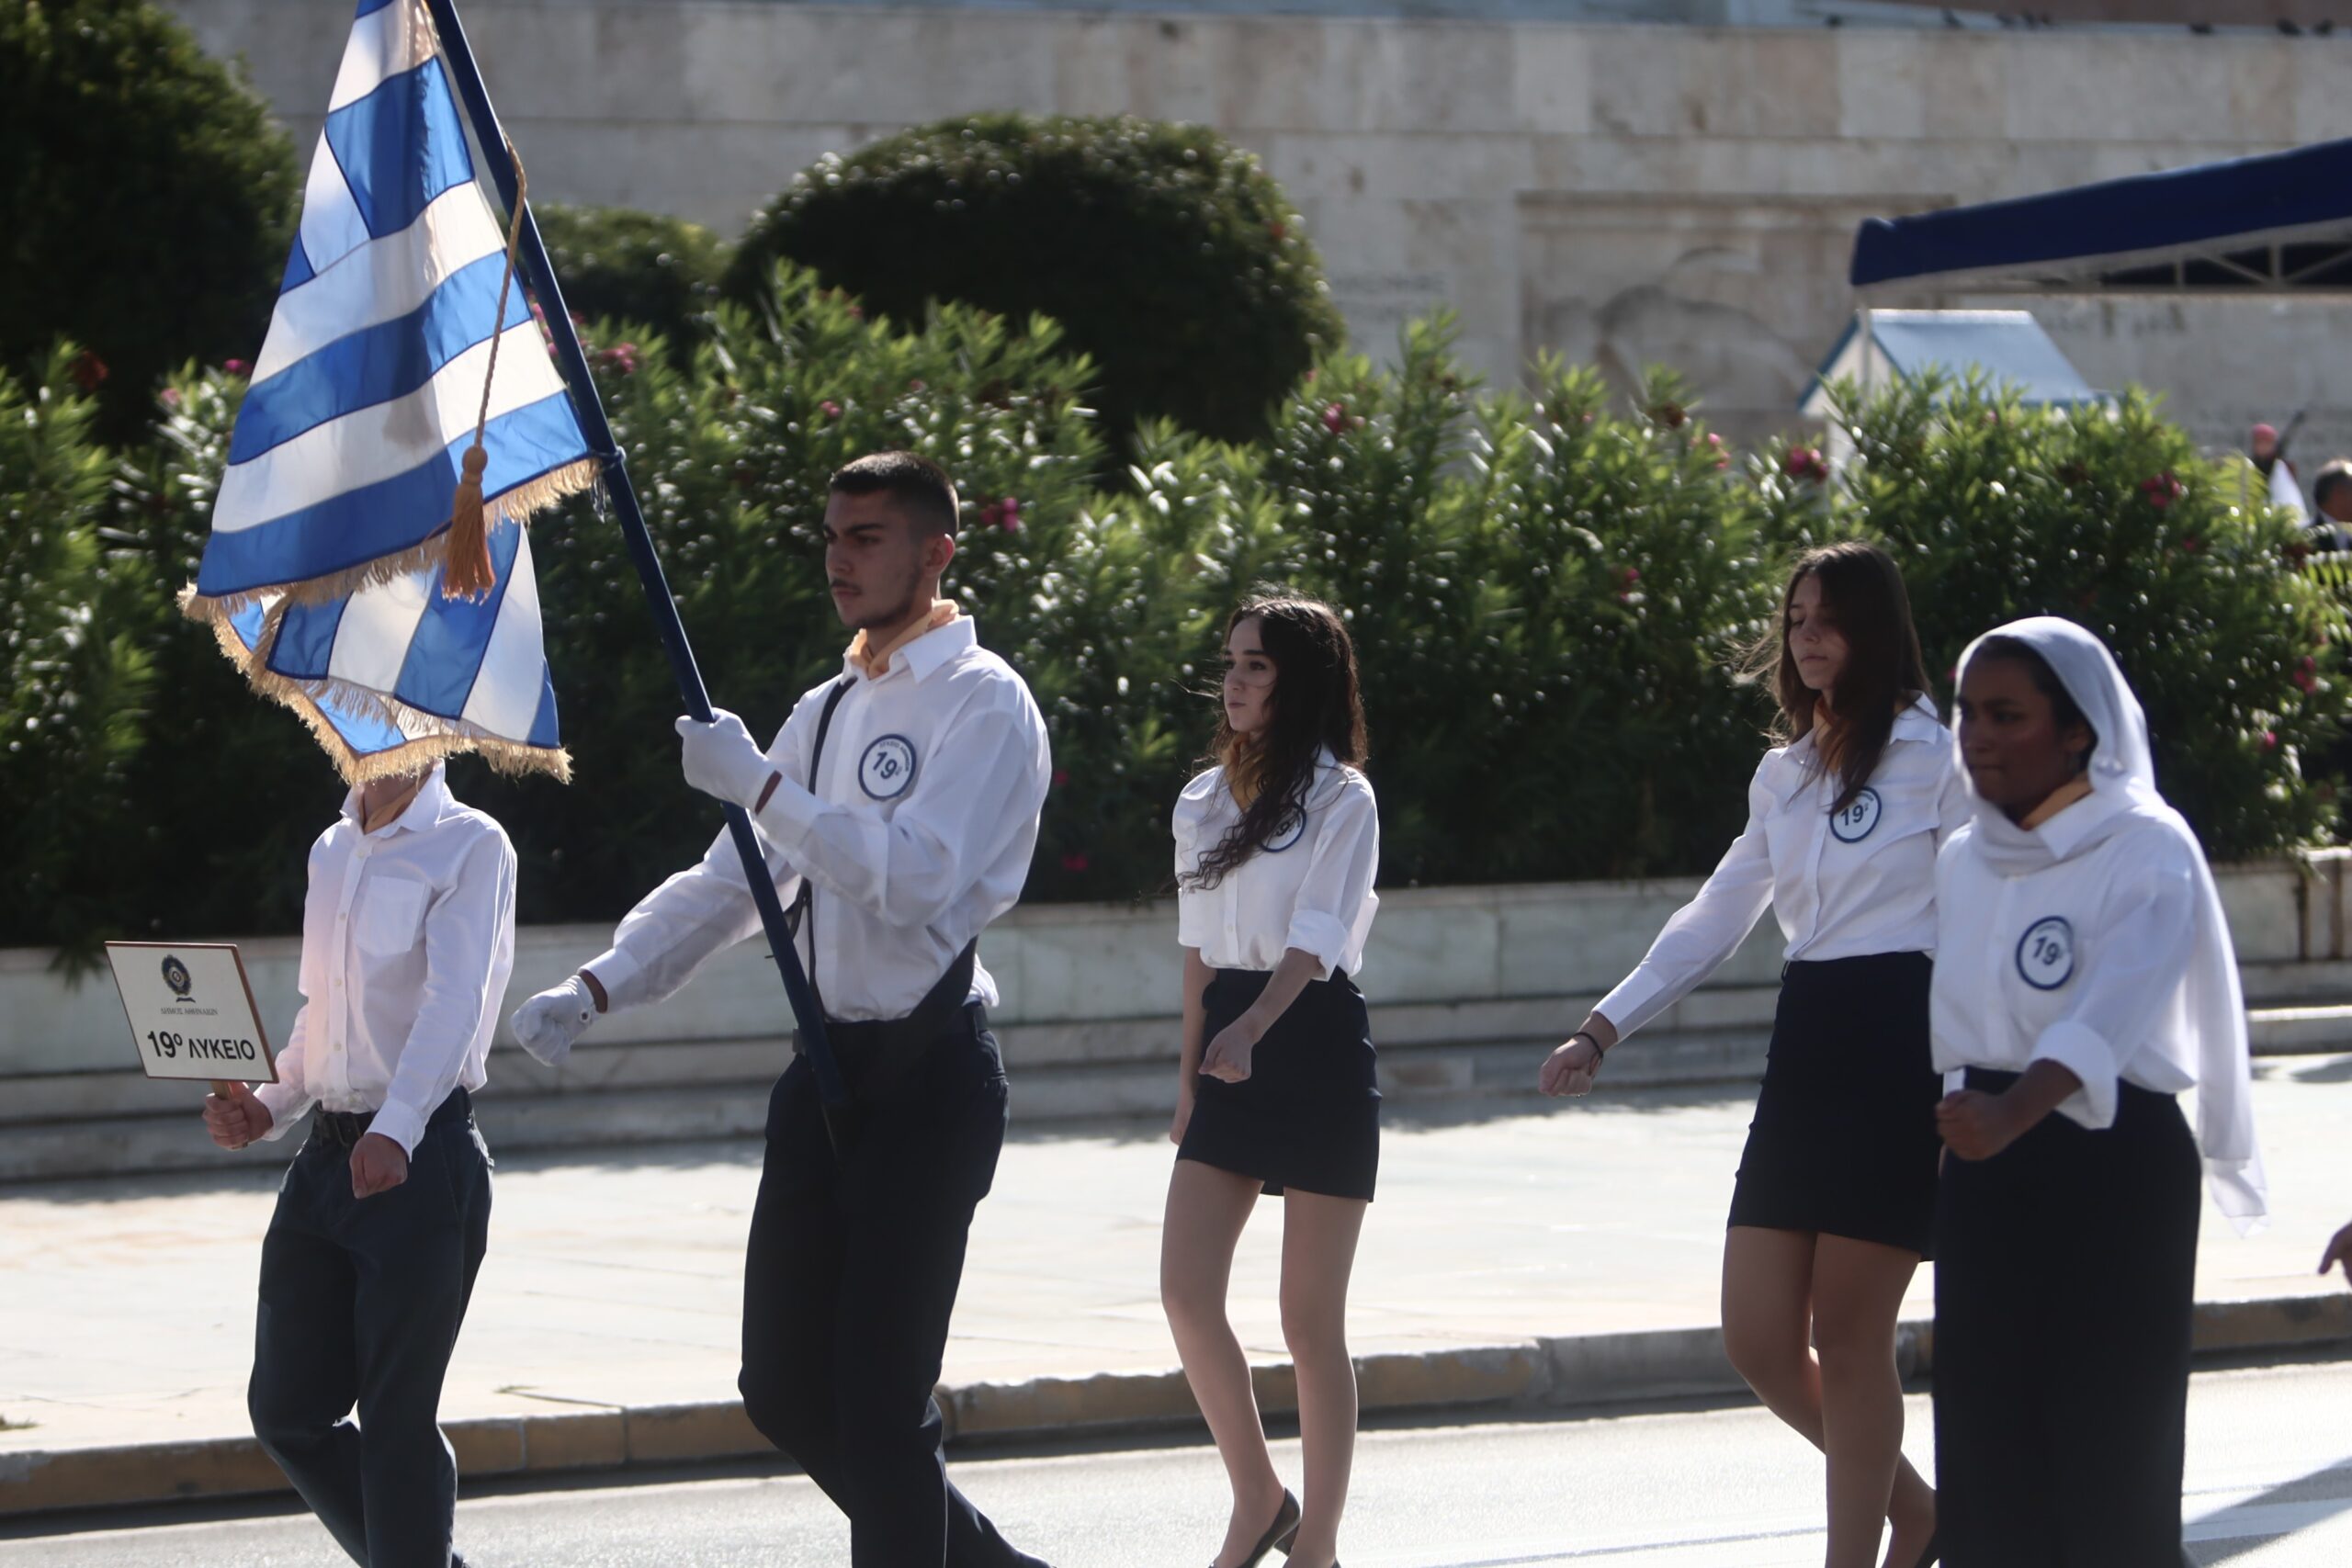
1278, 1536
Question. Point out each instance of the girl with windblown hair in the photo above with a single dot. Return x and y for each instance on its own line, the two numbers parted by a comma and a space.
1276, 849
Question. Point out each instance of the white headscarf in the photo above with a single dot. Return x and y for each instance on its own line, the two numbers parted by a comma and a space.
2124, 784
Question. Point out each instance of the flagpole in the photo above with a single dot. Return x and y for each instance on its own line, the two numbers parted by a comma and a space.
540, 275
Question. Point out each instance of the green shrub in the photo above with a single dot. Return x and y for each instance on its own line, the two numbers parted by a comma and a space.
1997, 510
635, 267
1168, 255
147, 199
1547, 589
77, 683
1543, 595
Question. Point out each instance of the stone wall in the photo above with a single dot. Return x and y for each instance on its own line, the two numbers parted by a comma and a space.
1626, 194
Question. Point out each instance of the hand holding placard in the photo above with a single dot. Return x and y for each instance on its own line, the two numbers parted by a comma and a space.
235, 1116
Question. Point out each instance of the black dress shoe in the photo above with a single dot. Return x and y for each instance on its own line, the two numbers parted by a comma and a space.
1278, 1536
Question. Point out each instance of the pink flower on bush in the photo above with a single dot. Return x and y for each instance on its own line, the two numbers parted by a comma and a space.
1278, 230
1073, 862
621, 357
831, 409
236, 367
2271, 740
88, 370
2162, 490
2307, 674
171, 395
1004, 513
1335, 417
917, 384
1805, 463
1061, 777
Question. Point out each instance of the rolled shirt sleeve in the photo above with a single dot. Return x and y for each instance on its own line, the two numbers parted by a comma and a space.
1335, 899
2131, 968
468, 955
1703, 934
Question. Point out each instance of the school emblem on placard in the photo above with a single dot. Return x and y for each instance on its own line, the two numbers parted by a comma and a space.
1854, 824
1291, 829
177, 976
2046, 953
887, 769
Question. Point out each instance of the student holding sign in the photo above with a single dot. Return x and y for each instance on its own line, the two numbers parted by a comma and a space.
899, 804
2085, 979
408, 938
1831, 1211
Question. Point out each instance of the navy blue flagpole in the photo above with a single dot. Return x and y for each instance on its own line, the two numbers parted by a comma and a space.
532, 257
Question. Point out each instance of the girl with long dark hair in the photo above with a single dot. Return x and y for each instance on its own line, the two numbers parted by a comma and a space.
1276, 847
1831, 1209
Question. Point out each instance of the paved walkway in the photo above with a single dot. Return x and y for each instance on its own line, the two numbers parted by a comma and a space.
613, 1279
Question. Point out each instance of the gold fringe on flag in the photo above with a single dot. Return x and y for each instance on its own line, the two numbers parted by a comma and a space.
430, 736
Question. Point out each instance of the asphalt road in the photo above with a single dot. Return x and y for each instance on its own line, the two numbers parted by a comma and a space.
2269, 1486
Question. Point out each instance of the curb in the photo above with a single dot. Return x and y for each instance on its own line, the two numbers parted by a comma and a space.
1563, 1373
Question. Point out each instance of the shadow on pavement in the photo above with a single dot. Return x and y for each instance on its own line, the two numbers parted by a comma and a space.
2314, 1499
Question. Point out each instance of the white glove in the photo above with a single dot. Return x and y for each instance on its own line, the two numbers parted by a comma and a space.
722, 758
546, 1025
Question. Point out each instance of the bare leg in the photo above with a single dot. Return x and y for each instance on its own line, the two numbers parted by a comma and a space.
1857, 1296
1770, 1302
1318, 1254
1206, 1209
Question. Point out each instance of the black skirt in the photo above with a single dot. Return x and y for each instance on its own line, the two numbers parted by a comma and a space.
1844, 1139
1308, 1114
2064, 1288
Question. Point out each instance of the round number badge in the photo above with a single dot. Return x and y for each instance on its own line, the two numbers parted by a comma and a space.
887, 769
2046, 953
1854, 824
1293, 829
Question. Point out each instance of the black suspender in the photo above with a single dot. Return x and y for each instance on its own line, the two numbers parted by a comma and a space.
804, 903
875, 1055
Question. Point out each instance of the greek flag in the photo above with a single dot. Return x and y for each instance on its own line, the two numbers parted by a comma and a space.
322, 576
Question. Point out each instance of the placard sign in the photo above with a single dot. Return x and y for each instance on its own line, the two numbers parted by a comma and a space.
191, 1011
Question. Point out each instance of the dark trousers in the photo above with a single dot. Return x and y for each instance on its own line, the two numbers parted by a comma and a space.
360, 1303
850, 1276
2064, 1272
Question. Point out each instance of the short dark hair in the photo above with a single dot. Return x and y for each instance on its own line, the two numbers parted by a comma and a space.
2323, 483
917, 483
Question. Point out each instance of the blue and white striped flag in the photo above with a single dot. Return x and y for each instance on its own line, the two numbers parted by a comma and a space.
322, 576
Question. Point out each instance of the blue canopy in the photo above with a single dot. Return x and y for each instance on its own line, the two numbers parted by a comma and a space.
2275, 222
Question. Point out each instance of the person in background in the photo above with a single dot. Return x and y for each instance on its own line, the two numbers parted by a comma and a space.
2267, 452
2332, 495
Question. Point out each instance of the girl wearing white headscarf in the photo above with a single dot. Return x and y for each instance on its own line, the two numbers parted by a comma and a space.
2083, 977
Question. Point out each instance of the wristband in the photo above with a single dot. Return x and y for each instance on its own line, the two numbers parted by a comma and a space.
1598, 1050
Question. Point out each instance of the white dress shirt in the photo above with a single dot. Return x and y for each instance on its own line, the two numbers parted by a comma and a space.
2080, 961
918, 834
408, 938
1310, 889
1858, 882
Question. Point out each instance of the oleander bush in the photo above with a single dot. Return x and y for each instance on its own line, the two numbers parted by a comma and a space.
1549, 589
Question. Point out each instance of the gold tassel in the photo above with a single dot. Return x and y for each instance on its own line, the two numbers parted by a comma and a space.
467, 571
